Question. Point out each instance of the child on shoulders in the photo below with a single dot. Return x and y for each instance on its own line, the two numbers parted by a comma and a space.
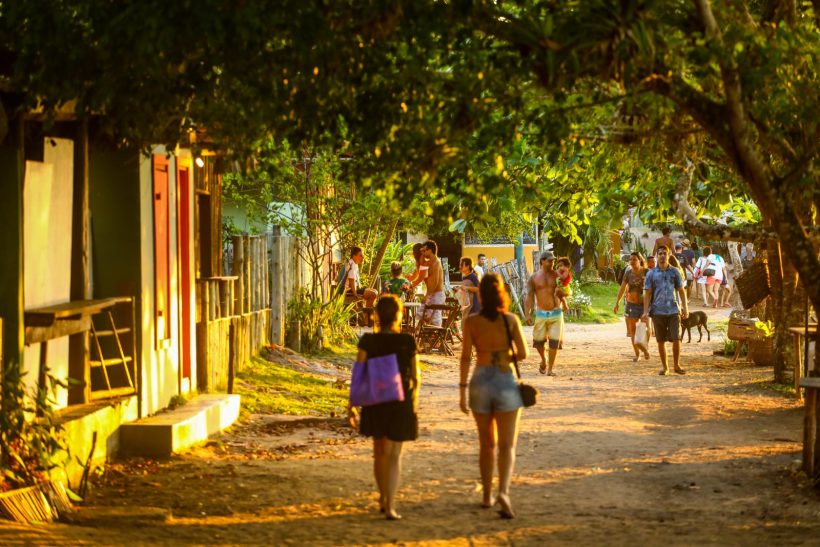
563, 267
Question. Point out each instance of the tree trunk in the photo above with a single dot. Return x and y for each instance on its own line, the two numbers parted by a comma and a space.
376, 265
787, 310
589, 261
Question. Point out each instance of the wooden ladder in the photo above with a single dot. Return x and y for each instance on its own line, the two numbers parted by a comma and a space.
119, 359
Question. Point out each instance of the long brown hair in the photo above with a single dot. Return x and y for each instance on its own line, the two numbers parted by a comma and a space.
494, 297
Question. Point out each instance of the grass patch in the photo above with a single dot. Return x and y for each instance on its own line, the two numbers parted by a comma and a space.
266, 387
602, 296
338, 355
783, 389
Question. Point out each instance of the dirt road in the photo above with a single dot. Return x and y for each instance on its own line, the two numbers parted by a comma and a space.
613, 454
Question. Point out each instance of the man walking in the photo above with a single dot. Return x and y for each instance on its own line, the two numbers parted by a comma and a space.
549, 318
664, 240
434, 281
659, 302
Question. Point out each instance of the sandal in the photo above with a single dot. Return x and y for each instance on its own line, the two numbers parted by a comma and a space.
680, 371
664, 372
543, 368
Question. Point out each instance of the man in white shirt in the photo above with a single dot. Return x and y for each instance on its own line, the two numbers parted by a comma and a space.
352, 280
479, 267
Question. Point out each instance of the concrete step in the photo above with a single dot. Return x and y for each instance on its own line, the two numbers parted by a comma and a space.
167, 432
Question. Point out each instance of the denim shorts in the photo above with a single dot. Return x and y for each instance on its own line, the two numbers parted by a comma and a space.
633, 311
494, 389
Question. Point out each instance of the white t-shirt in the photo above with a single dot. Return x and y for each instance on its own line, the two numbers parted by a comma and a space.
479, 271
352, 273
712, 261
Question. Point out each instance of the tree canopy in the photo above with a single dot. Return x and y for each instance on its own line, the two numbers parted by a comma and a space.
474, 105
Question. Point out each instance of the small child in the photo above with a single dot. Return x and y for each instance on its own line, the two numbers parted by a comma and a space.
562, 290
397, 284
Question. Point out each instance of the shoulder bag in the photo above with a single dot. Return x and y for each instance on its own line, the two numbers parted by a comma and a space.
709, 271
529, 395
376, 381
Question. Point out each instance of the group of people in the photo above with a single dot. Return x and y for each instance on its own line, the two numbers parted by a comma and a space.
705, 276
493, 340
493, 396
658, 289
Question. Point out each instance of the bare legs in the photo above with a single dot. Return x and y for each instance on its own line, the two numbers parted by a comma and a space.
630, 329
387, 468
497, 430
675, 357
543, 368
553, 354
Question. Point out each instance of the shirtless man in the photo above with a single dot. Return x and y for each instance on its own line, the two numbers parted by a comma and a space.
434, 281
549, 318
665, 239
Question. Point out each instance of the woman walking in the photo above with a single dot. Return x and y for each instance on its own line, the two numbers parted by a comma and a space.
632, 285
494, 397
390, 424
710, 274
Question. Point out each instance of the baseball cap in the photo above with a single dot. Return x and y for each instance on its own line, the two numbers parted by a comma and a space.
547, 255
679, 245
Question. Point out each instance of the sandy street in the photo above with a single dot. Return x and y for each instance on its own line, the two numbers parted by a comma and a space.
613, 454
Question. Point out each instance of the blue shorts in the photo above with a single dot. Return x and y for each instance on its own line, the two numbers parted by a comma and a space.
633, 311
494, 389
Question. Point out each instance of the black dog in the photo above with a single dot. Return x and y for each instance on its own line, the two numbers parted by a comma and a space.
695, 319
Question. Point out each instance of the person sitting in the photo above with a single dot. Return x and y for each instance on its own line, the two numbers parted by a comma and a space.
352, 279
397, 285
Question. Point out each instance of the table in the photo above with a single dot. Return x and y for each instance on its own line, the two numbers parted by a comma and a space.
800, 368
410, 312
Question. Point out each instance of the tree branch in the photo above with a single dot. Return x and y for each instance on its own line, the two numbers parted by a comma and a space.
693, 224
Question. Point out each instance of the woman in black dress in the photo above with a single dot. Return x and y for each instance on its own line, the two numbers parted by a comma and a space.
390, 424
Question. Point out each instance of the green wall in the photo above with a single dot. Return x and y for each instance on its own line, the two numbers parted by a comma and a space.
114, 201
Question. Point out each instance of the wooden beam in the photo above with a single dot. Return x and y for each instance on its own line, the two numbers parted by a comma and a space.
78, 350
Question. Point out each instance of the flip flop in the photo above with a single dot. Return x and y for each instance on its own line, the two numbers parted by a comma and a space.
551, 374
680, 371
543, 368
663, 373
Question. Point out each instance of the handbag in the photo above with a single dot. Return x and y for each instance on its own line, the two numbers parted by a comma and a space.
376, 381
709, 272
529, 395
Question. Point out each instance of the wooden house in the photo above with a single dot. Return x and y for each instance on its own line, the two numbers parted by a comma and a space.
102, 252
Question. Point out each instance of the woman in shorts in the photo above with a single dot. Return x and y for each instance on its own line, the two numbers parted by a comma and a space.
632, 285
494, 397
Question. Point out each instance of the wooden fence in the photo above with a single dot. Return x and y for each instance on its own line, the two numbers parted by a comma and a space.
233, 313
289, 274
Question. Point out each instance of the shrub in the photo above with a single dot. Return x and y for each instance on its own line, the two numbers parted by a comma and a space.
321, 324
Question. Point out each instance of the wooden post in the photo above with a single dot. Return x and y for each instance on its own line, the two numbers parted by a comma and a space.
78, 349
238, 267
810, 432
277, 311
246, 271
